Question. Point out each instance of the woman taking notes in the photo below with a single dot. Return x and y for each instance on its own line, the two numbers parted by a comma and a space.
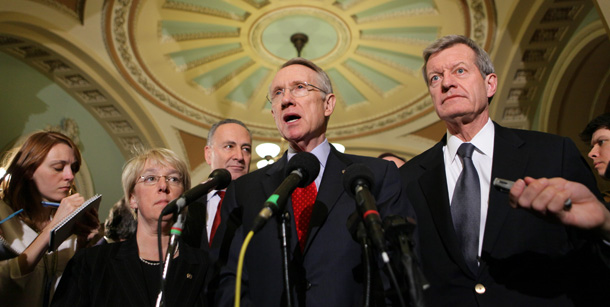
128, 273
42, 170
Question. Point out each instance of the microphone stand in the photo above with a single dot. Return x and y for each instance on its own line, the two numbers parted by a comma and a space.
398, 230
364, 241
171, 249
285, 219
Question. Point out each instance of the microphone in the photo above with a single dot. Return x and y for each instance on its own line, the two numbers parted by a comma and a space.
219, 179
358, 182
302, 170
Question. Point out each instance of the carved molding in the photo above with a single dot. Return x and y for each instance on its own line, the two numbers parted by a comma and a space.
77, 84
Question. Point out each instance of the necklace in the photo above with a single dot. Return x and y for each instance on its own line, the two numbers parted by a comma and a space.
149, 262
157, 262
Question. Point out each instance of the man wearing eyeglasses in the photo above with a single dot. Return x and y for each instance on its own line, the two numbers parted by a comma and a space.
325, 263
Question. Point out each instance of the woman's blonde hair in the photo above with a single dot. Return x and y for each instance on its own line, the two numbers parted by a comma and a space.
161, 156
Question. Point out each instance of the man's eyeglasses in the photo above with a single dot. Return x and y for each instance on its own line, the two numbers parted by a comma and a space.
301, 89
154, 179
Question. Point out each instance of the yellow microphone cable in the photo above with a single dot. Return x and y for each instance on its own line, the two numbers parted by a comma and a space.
240, 266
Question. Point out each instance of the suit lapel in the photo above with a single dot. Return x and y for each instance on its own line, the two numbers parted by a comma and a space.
275, 176
328, 193
183, 275
433, 184
129, 272
506, 165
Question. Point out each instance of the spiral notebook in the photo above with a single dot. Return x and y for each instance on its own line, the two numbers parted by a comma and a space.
64, 229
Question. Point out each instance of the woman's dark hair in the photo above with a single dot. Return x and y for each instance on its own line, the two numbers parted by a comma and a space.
19, 190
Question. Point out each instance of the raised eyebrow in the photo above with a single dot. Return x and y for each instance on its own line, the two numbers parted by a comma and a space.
295, 82
458, 65
432, 73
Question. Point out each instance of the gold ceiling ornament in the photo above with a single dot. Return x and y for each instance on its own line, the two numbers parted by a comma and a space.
282, 16
202, 61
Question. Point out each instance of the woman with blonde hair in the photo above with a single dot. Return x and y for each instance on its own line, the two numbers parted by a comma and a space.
42, 169
128, 273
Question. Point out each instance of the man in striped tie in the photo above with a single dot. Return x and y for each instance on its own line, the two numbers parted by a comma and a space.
474, 248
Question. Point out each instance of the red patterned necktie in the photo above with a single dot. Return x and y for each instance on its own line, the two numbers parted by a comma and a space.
216, 221
302, 205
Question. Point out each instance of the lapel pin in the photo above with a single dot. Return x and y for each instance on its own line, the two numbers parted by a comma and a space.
189, 276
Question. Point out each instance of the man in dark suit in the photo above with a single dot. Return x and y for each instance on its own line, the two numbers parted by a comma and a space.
325, 265
230, 147
493, 255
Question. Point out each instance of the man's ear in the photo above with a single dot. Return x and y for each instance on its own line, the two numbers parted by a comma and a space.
491, 84
208, 155
329, 104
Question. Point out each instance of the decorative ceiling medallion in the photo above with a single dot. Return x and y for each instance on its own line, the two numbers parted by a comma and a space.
329, 34
202, 61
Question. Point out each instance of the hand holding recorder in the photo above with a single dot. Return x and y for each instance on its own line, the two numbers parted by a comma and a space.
550, 197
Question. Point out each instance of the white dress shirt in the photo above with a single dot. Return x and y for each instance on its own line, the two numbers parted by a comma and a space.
482, 157
321, 152
212, 207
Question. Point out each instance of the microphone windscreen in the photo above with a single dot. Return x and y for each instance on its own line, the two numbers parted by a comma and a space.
355, 174
223, 177
308, 164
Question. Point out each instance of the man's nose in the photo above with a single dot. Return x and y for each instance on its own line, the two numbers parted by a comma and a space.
594, 152
447, 82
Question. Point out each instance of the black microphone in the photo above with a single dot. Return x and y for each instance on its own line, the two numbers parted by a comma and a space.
358, 182
302, 170
219, 179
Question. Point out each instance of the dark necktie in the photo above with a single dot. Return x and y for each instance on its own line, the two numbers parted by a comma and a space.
216, 221
466, 207
302, 206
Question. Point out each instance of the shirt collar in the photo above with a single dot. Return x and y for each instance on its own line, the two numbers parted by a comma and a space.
483, 141
321, 152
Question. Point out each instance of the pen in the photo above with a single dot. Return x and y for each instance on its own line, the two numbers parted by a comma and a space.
11, 216
50, 204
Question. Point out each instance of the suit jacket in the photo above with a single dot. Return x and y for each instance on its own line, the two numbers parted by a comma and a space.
525, 259
195, 232
329, 270
111, 275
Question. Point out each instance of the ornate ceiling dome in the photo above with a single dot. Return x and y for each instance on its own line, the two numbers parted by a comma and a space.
206, 60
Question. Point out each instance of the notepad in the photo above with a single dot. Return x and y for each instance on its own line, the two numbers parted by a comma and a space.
64, 229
